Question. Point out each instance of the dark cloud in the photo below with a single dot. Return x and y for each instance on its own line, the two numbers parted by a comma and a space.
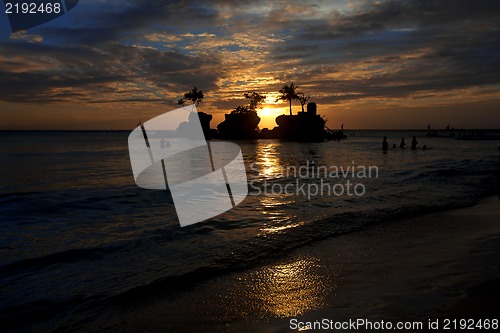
92, 55
371, 49
455, 45
82, 72
102, 23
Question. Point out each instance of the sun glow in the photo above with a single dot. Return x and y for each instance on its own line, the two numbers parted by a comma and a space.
267, 116
268, 112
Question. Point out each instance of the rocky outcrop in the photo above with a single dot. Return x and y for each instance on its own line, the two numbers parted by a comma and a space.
239, 124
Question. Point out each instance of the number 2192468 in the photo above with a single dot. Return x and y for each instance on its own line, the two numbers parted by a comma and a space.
33, 8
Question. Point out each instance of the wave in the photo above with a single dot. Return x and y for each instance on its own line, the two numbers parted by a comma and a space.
29, 265
244, 255
197, 254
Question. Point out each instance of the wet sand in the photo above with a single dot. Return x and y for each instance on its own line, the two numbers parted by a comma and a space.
441, 265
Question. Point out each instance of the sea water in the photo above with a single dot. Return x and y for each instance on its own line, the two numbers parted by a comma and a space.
76, 233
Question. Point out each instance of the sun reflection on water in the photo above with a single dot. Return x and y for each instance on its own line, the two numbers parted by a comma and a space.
268, 161
279, 228
289, 289
276, 219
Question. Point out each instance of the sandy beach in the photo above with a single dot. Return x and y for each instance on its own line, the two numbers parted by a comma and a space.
441, 265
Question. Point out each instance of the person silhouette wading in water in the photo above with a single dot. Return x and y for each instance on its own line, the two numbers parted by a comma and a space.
414, 143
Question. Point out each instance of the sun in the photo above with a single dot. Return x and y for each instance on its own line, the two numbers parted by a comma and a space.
267, 112
267, 117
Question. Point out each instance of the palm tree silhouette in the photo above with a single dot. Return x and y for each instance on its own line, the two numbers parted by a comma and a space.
302, 99
288, 93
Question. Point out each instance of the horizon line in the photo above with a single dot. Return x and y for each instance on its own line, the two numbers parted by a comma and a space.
354, 129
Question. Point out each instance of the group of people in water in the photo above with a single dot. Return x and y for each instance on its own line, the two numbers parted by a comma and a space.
414, 143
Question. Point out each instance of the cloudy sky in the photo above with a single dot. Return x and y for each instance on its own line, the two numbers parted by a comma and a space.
367, 64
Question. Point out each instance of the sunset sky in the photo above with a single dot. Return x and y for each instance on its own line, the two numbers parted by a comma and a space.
367, 64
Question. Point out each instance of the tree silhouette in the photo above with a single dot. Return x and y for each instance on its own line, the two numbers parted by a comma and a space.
288, 93
241, 110
255, 99
194, 95
302, 99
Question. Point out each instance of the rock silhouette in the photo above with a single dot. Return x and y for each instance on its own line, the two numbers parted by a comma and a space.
241, 123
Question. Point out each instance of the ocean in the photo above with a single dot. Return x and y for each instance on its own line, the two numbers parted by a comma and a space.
77, 236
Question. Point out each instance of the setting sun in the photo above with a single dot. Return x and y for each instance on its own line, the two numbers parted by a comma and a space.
268, 112
268, 116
